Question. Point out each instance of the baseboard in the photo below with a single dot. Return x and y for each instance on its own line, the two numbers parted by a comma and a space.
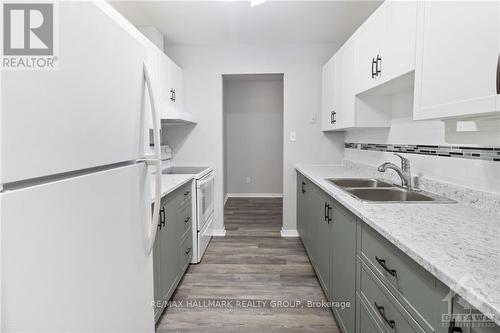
255, 195
289, 233
219, 232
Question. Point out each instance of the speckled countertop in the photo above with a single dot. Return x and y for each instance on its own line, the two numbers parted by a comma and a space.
170, 183
458, 243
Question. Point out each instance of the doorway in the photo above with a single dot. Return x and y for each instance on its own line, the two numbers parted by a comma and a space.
253, 148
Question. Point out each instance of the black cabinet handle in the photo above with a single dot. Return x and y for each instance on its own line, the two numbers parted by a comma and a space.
384, 266
498, 75
326, 212
162, 218
333, 117
378, 69
452, 328
303, 189
374, 72
188, 250
329, 213
187, 219
172, 95
175, 96
381, 311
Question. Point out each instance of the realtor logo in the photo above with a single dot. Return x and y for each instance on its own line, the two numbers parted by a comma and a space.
29, 36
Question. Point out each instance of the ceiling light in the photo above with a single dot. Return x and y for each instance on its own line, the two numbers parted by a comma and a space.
254, 3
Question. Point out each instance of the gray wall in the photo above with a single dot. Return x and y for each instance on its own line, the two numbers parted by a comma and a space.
253, 134
203, 144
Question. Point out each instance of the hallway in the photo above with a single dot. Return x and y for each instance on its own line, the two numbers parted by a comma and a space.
252, 263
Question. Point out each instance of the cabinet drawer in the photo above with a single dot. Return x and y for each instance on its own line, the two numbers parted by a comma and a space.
384, 307
184, 221
418, 290
366, 323
185, 251
185, 195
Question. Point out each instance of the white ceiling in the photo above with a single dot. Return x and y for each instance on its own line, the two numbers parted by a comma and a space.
235, 22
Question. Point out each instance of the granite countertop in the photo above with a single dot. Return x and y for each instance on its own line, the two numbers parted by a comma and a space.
170, 183
458, 243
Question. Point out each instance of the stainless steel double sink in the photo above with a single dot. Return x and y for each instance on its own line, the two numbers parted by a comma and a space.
380, 191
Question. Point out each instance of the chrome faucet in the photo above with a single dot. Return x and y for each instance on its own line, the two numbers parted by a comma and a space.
403, 172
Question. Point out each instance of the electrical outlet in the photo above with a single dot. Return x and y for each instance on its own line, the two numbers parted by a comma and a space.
313, 119
248, 180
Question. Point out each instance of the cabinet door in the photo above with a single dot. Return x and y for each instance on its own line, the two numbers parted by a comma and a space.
328, 94
344, 87
300, 205
399, 47
343, 267
168, 248
320, 239
175, 81
371, 44
156, 274
458, 47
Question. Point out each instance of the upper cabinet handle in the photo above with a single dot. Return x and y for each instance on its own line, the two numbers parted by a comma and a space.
498, 75
374, 72
378, 69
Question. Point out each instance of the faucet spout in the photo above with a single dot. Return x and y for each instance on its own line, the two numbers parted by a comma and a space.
403, 172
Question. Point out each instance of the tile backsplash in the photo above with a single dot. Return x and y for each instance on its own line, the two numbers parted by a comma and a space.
488, 154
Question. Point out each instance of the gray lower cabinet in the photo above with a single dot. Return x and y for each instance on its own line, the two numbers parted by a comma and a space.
172, 249
328, 233
386, 289
343, 267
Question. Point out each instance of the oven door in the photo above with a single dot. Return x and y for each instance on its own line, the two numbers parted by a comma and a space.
205, 199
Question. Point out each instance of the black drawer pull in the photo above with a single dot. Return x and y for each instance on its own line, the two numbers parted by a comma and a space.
384, 266
303, 189
187, 219
188, 250
381, 311
452, 328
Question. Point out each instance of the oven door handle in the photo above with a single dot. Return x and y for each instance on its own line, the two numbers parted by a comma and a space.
204, 181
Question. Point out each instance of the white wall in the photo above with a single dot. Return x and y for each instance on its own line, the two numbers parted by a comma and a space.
253, 134
203, 143
478, 174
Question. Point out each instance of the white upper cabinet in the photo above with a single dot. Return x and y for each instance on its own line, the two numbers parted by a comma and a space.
386, 48
167, 81
345, 67
457, 65
328, 95
370, 49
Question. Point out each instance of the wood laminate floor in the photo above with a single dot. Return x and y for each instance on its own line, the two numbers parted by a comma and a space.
252, 269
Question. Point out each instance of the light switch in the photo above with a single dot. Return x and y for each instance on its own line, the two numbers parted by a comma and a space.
293, 136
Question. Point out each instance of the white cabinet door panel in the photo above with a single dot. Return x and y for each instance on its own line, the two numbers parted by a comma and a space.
328, 94
85, 114
371, 38
399, 55
457, 56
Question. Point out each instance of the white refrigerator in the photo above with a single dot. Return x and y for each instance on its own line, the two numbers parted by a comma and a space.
76, 224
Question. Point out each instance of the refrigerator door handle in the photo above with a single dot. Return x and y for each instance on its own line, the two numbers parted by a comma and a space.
156, 162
